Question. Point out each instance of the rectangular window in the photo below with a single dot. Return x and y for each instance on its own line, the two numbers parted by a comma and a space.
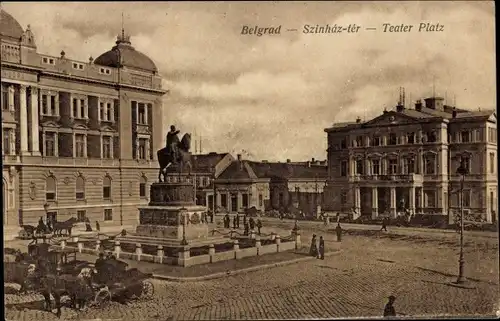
430, 164
142, 148
492, 163
430, 198
359, 141
467, 197
106, 147
80, 145
108, 214
109, 114
410, 165
50, 144
410, 137
81, 215
142, 189
393, 139
343, 168
343, 143
393, 166
376, 167
101, 111
465, 136
5, 98
223, 200
106, 192
142, 114
75, 108
466, 162
53, 110
376, 141
82, 108
431, 137
105, 71
244, 200
6, 141
359, 166
45, 110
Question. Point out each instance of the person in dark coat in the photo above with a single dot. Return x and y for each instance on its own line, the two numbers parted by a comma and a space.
313, 251
244, 220
226, 221
259, 225
321, 248
234, 222
88, 228
49, 226
384, 224
237, 220
338, 229
251, 222
247, 228
389, 310
97, 226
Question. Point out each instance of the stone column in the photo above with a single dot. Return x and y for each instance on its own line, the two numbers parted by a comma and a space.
393, 201
146, 113
49, 104
421, 199
85, 110
78, 108
357, 199
11, 98
12, 147
239, 200
118, 249
374, 202
23, 121
368, 170
74, 145
35, 134
412, 200
138, 251
56, 100
278, 243
160, 253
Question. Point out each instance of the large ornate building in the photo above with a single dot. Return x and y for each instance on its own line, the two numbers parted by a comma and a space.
407, 159
79, 138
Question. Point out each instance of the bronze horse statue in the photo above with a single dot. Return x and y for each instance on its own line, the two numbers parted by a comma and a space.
182, 160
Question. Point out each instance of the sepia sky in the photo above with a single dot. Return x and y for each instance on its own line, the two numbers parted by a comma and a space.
270, 97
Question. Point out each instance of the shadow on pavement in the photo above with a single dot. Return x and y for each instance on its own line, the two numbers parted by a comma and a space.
453, 275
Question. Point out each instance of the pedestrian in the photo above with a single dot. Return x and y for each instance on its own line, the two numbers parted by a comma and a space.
338, 229
97, 226
313, 251
88, 228
384, 224
234, 222
389, 310
237, 220
259, 225
251, 222
321, 248
49, 226
247, 229
226, 221
244, 220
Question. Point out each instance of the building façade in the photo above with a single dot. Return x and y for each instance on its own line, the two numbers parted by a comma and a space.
407, 159
79, 139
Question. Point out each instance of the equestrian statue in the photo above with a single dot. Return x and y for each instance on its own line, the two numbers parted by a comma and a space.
175, 154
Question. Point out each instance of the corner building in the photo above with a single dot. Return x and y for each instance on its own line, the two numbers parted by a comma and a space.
407, 159
79, 139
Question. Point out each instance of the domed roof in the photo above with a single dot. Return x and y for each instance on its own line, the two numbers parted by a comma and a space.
9, 27
129, 57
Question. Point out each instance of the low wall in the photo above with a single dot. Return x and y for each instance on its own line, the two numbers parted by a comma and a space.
185, 256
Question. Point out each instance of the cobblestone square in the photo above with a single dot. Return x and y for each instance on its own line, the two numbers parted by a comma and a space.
354, 283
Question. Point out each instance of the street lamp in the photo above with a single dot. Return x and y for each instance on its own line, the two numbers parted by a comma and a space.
184, 219
462, 170
214, 199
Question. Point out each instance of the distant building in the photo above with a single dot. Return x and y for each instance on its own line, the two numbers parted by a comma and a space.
271, 186
79, 139
407, 159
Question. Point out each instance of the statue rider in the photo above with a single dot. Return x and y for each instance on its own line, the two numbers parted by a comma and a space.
172, 142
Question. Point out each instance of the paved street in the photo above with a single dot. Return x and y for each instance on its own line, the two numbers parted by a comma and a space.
354, 283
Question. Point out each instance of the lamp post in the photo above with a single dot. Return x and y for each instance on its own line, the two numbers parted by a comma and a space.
214, 199
184, 219
462, 170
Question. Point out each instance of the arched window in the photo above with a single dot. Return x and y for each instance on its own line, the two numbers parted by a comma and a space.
50, 189
80, 188
106, 188
142, 187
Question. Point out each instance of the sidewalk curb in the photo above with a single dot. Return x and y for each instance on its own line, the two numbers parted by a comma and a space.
240, 271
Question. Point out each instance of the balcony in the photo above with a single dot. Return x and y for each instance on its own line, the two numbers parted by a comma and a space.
390, 178
10, 159
45, 118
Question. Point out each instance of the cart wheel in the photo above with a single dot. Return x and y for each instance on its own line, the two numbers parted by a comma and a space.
102, 298
148, 289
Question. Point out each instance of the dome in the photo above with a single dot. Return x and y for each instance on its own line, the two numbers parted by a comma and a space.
129, 57
9, 27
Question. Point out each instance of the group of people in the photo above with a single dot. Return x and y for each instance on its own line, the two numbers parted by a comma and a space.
315, 250
248, 223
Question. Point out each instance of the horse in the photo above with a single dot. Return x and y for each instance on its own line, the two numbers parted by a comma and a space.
66, 225
166, 159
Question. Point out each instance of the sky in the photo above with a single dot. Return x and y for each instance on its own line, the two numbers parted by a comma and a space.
271, 97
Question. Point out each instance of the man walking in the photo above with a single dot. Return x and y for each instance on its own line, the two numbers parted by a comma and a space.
234, 222
259, 225
321, 248
338, 230
384, 224
237, 220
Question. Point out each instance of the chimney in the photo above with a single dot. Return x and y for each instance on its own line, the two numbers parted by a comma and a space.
63, 54
358, 120
454, 112
288, 160
418, 105
312, 160
400, 107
